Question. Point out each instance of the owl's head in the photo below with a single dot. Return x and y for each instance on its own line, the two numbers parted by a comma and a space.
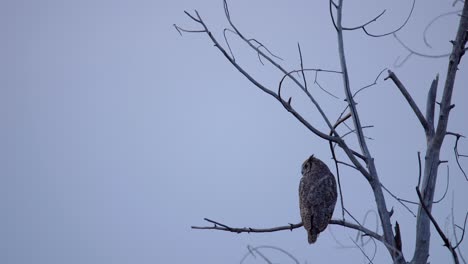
308, 164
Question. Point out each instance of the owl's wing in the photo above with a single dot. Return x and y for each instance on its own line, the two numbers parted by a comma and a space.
304, 204
322, 200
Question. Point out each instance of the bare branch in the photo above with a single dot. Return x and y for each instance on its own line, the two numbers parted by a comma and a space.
287, 104
349, 97
434, 145
409, 99
437, 227
372, 178
290, 227
256, 83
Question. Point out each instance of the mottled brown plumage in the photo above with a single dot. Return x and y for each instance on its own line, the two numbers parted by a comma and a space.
317, 197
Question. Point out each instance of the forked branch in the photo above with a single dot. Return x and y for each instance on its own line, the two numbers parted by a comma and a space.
287, 74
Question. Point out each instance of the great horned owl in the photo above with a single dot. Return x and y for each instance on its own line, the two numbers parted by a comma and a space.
317, 196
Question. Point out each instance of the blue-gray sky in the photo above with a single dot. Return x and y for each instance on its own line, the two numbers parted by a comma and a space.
117, 134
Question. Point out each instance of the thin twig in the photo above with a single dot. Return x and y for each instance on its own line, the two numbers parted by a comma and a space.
400, 200
302, 66
325, 90
332, 150
346, 164
369, 85
354, 131
457, 154
180, 30
362, 250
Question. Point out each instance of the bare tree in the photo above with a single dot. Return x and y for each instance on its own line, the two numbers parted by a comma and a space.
435, 129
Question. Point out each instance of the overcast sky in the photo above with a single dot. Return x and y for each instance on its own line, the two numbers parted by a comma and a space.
118, 134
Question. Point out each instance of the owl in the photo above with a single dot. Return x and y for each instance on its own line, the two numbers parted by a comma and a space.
317, 197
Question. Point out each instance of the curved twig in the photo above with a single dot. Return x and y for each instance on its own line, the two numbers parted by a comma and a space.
363, 26
256, 249
396, 30
446, 187
433, 21
457, 154
369, 85
417, 53
323, 89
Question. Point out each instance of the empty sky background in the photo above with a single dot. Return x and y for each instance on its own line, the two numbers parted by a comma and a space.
118, 134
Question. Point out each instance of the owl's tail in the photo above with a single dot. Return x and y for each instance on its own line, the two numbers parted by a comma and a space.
312, 236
